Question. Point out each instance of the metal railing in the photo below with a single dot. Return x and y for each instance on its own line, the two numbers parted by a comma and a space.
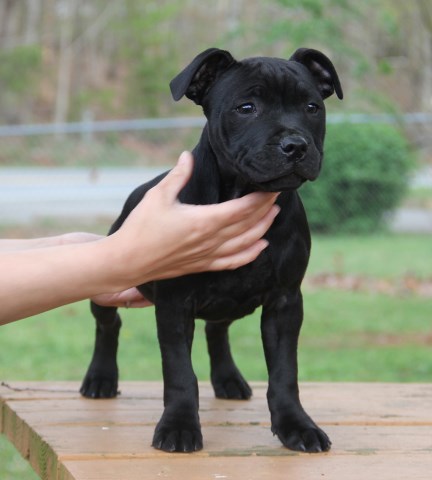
88, 126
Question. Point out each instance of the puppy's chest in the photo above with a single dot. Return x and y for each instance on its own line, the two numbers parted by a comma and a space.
230, 295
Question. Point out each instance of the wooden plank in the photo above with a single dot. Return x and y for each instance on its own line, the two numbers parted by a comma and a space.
131, 442
348, 404
383, 427
302, 466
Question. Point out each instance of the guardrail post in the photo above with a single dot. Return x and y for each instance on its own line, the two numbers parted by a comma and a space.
87, 123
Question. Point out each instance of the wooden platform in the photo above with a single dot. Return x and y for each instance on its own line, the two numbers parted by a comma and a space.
379, 431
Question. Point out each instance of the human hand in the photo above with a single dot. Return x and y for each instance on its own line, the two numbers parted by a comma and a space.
130, 298
163, 238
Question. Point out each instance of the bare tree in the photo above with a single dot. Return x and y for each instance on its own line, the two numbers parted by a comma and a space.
78, 33
33, 14
425, 10
9, 23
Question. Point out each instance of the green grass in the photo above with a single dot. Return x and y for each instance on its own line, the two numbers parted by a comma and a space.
58, 344
347, 336
381, 256
12, 465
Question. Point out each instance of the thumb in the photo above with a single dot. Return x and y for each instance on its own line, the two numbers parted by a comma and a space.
177, 178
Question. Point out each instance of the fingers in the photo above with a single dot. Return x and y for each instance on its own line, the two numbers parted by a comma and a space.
240, 250
217, 262
137, 304
241, 208
236, 216
239, 259
233, 252
130, 298
172, 184
240, 229
261, 212
250, 236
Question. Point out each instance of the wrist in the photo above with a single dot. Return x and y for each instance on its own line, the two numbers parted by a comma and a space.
122, 269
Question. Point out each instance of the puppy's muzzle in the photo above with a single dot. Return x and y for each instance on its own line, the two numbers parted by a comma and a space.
294, 147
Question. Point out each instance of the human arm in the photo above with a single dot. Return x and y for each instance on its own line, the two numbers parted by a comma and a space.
161, 238
10, 245
130, 297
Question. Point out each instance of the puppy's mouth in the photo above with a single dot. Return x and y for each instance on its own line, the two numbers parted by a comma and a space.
288, 182
275, 173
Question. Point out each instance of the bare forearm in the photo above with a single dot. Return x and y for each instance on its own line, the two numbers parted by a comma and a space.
41, 279
11, 245
25, 244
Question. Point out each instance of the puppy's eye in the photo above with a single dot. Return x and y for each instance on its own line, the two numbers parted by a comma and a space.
246, 108
312, 108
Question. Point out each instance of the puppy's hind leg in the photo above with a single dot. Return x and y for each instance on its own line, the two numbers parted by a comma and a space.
101, 379
226, 378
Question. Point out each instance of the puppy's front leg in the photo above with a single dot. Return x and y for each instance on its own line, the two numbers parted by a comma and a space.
179, 428
280, 327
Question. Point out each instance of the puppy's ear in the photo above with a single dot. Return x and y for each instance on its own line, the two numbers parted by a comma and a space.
196, 79
322, 70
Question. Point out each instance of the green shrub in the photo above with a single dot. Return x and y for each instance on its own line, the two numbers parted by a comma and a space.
365, 175
18, 68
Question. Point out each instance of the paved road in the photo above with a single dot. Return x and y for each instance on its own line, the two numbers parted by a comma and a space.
411, 220
28, 195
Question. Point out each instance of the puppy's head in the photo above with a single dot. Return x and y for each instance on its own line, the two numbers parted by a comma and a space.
266, 116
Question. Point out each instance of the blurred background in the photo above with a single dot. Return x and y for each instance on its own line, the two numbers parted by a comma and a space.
86, 115
84, 90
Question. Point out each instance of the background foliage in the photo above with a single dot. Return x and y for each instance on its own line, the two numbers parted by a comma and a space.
365, 175
119, 56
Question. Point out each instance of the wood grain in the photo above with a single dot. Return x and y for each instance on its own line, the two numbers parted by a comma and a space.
378, 431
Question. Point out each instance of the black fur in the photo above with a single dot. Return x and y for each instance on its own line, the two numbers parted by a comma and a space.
265, 131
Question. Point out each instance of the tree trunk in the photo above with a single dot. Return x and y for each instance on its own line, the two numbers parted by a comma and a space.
65, 63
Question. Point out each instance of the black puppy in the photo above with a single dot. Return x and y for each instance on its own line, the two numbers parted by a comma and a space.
265, 131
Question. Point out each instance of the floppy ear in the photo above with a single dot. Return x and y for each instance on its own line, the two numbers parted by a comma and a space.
322, 70
196, 79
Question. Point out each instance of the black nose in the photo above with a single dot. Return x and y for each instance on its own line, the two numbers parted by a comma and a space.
294, 147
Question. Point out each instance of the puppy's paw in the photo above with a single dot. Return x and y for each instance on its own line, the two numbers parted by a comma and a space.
178, 435
231, 385
302, 437
100, 383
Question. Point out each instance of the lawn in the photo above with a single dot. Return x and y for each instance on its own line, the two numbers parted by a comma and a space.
348, 334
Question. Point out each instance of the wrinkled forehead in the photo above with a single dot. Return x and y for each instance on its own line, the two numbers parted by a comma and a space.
275, 68
268, 76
